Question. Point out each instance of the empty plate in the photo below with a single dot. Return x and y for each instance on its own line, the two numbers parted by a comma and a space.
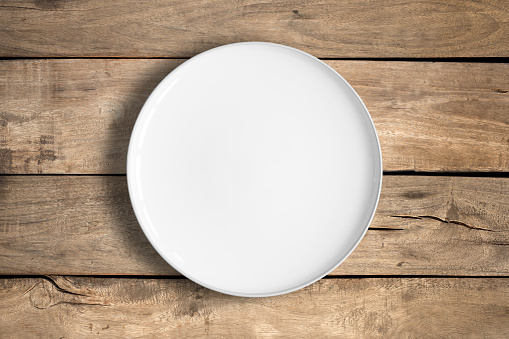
254, 169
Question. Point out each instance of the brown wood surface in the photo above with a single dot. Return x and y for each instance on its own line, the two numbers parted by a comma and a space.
424, 225
73, 307
326, 28
74, 262
76, 116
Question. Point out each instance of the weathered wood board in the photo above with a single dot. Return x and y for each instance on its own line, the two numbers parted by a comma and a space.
325, 28
63, 307
424, 225
76, 116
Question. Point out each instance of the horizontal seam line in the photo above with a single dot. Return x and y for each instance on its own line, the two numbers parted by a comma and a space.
438, 59
180, 277
385, 173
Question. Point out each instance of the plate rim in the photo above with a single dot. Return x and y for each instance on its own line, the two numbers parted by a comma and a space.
131, 180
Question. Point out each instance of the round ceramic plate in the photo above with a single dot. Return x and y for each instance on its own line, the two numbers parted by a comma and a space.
254, 169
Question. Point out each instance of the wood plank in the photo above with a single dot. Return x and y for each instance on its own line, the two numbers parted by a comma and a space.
76, 116
346, 308
84, 225
326, 28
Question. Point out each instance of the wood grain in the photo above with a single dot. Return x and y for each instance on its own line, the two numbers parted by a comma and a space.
76, 116
325, 28
423, 226
57, 307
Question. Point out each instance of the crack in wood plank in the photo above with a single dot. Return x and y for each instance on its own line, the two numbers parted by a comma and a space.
76, 303
31, 288
499, 90
47, 292
385, 229
444, 220
498, 243
38, 9
60, 289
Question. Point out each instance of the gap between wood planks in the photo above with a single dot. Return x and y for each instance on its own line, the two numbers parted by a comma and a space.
50, 278
488, 60
385, 173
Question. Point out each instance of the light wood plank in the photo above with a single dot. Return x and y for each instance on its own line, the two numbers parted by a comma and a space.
85, 225
326, 28
346, 308
76, 116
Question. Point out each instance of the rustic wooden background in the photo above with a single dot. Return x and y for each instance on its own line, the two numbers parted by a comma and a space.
75, 263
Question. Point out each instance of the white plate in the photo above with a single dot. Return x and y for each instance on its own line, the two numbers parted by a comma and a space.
254, 169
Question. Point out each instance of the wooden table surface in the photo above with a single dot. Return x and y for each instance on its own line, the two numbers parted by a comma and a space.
73, 260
